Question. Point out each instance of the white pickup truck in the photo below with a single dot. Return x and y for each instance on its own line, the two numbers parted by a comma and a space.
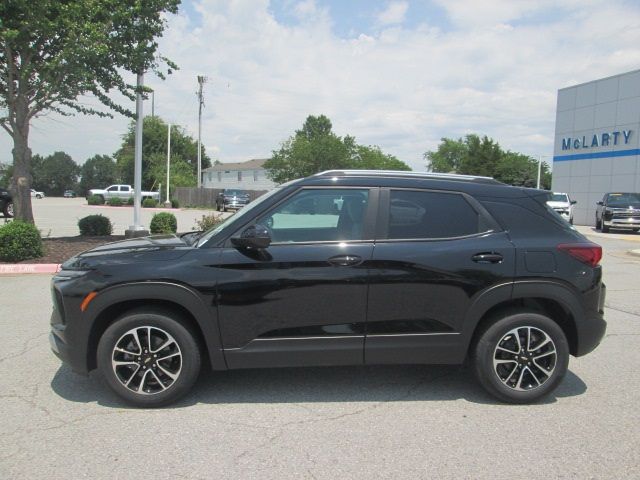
121, 191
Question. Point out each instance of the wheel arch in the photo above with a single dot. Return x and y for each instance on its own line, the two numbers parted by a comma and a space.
548, 298
186, 304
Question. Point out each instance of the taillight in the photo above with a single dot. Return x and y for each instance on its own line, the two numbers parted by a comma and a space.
589, 253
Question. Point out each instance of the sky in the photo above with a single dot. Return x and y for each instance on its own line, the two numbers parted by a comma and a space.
397, 74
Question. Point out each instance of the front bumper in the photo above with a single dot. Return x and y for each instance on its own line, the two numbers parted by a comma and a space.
625, 222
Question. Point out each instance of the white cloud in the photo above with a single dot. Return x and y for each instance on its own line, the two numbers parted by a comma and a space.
394, 13
402, 89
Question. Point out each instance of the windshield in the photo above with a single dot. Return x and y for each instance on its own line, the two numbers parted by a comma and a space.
237, 217
559, 197
235, 192
623, 200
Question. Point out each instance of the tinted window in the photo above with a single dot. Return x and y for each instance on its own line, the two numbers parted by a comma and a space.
319, 215
559, 197
623, 200
417, 214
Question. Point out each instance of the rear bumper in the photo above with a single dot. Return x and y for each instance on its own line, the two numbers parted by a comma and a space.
592, 331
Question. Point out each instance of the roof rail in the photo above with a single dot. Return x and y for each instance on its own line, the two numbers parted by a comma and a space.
402, 173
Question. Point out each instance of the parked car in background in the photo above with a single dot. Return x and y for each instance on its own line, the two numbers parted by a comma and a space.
6, 203
231, 199
341, 268
36, 194
69, 194
618, 210
121, 191
563, 205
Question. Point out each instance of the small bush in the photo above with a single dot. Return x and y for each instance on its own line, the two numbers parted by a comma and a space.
95, 226
164, 222
175, 203
115, 202
149, 203
130, 201
95, 200
19, 241
208, 221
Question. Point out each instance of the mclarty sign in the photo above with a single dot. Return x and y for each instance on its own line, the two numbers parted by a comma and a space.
605, 139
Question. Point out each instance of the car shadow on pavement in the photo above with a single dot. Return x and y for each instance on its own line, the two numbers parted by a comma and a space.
314, 384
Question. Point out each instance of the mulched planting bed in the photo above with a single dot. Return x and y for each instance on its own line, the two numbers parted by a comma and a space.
57, 250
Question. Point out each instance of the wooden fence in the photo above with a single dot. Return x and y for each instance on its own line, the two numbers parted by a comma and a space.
205, 197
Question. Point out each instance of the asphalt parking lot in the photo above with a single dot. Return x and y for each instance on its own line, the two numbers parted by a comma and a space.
323, 423
58, 217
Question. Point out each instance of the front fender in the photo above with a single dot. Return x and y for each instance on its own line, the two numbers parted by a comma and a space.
181, 295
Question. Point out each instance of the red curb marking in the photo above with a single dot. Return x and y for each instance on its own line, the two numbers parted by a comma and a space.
8, 269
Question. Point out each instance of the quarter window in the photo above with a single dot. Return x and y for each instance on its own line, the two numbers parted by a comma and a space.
319, 216
420, 214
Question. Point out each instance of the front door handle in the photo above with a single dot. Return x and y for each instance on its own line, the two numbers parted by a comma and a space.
487, 257
345, 260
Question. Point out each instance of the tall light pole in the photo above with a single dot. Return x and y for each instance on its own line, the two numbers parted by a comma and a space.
201, 80
539, 170
137, 230
167, 202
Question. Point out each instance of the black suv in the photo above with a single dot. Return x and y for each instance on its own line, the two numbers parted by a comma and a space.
6, 203
618, 210
231, 199
342, 268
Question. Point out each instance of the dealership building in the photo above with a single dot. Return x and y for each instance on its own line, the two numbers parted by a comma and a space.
596, 147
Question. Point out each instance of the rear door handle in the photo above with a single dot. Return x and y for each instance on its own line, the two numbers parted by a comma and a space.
345, 260
487, 257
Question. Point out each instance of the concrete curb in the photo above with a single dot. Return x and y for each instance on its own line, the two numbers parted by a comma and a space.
151, 209
20, 268
635, 253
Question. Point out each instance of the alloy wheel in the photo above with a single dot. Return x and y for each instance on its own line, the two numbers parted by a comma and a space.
525, 358
146, 360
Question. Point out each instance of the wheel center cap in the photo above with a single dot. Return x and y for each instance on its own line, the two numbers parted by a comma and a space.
147, 360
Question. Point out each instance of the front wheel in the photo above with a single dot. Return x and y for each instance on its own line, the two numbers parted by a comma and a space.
148, 358
521, 357
8, 210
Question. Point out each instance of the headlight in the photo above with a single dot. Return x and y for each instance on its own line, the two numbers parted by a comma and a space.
64, 275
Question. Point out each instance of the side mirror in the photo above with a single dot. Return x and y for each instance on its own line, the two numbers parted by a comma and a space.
599, 203
573, 202
255, 236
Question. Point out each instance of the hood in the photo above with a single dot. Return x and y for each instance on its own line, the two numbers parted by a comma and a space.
154, 248
558, 204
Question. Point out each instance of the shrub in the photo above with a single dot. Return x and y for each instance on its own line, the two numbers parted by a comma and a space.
95, 226
175, 203
149, 203
130, 201
208, 221
115, 202
95, 200
19, 241
164, 222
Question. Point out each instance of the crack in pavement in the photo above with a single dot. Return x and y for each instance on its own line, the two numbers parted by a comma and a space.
623, 311
25, 348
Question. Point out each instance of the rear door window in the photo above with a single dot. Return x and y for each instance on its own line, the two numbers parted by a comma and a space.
418, 214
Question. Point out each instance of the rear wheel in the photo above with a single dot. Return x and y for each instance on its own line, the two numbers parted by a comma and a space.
148, 358
521, 357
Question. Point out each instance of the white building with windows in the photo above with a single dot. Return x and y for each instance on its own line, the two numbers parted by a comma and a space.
596, 148
249, 175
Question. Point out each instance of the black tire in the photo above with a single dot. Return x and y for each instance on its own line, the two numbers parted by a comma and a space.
183, 352
8, 210
38, 196
604, 228
598, 224
498, 339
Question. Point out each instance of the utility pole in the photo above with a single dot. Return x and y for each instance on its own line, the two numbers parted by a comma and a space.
539, 170
201, 80
167, 202
137, 230
153, 103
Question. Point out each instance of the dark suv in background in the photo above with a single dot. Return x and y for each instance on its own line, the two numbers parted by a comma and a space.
6, 203
618, 210
342, 268
231, 199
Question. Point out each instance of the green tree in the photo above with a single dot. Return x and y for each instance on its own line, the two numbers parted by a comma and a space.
315, 148
473, 155
52, 52
184, 154
55, 173
99, 171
